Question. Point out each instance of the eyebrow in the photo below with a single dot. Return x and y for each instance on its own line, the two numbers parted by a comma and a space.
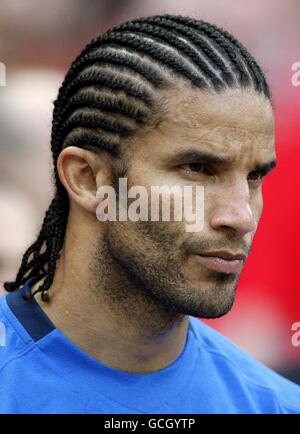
203, 157
208, 158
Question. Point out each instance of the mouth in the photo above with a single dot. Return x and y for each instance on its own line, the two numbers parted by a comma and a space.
224, 262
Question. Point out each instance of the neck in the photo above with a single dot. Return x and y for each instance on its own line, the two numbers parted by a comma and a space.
111, 319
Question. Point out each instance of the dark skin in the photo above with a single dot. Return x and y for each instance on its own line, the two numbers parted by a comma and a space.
123, 291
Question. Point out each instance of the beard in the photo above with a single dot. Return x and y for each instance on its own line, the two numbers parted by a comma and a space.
155, 267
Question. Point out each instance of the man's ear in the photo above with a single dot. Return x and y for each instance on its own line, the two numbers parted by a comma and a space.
81, 172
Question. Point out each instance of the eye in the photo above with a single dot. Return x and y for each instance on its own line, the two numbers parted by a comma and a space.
194, 167
256, 176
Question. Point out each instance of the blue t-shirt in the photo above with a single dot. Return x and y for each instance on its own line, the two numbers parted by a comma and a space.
42, 371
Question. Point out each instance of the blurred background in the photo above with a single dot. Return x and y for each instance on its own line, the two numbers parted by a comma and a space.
38, 42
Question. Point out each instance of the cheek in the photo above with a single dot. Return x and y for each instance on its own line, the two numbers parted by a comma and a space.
258, 205
163, 236
146, 239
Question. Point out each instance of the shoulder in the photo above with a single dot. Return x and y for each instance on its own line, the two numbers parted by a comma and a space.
254, 375
14, 340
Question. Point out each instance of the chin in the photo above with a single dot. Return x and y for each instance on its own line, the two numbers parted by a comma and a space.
215, 313
213, 302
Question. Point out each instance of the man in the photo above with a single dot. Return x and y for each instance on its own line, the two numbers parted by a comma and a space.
102, 316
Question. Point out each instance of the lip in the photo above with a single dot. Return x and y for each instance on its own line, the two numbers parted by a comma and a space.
225, 262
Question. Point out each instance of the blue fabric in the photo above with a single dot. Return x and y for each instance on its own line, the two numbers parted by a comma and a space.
42, 371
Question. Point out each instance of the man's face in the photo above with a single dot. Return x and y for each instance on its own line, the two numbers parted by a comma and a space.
161, 257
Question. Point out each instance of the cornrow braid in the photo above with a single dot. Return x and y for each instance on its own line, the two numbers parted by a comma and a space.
110, 91
232, 47
99, 100
163, 36
113, 57
212, 57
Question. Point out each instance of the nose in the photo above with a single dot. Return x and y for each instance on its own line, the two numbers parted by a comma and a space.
232, 210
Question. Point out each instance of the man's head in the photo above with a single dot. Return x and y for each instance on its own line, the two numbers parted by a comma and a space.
163, 100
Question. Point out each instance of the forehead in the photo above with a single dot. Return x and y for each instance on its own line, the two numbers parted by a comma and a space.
236, 123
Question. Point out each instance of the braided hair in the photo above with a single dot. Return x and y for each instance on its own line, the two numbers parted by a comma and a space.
110, 91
